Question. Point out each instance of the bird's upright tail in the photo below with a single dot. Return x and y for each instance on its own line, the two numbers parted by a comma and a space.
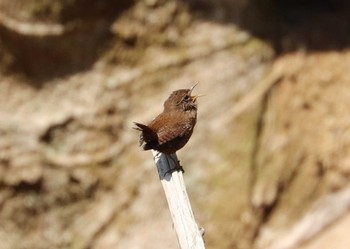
147, 135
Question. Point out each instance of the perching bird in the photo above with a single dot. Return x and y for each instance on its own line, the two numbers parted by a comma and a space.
171, 129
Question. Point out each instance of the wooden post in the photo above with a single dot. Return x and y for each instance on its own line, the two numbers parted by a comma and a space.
188, 233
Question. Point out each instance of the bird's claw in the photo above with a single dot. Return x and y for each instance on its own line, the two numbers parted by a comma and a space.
177, 168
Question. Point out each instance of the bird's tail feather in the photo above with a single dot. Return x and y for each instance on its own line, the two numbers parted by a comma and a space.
147, 135
142, 127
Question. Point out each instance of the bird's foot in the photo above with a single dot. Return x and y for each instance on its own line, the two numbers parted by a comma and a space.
177, 168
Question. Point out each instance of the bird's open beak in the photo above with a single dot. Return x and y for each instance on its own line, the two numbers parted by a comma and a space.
194, 98
191, 89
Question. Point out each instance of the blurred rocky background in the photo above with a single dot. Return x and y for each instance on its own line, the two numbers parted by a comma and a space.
268, 165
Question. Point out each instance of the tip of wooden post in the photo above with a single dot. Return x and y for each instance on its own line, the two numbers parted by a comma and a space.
166, 164
188, 233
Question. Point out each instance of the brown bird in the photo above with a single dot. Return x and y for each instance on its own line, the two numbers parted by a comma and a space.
171, 129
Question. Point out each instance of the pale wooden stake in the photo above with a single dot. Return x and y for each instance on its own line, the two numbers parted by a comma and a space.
188, 233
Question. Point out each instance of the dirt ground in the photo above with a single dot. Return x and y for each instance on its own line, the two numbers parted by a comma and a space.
267, 165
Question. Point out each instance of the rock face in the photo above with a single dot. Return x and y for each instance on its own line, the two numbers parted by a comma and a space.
269, 151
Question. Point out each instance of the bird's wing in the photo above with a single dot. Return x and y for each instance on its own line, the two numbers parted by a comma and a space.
169, 132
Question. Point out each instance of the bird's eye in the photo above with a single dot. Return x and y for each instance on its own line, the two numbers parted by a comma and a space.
187, 97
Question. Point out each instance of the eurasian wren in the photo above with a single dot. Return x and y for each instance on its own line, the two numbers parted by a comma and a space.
171, 129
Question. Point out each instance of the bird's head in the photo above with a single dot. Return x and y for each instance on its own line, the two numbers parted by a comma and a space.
182, 100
